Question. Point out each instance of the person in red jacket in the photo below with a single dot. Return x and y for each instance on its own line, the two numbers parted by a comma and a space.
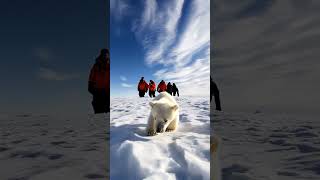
142, 87
162, 86
152, 89
99, 83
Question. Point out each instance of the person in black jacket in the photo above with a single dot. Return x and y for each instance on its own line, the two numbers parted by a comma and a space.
169, 88
175, 90
215, 92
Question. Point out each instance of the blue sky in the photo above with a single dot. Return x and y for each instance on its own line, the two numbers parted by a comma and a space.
162, 39
47, 50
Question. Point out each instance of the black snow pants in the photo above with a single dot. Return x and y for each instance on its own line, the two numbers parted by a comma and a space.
142, 93
101, 102
152, 93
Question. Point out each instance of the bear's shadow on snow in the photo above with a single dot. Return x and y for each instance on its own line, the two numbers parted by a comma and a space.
132, 132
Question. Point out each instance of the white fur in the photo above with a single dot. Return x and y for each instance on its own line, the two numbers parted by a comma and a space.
164, 115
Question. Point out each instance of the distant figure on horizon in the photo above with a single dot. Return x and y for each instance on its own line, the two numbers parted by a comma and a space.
169, 88
175, 90
99, 83
215, 92
162, 86
152, 89
142, 87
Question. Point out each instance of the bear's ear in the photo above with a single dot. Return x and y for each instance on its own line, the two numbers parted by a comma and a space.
175, 107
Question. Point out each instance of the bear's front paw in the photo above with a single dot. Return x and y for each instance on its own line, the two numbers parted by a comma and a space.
151, 132
161, 128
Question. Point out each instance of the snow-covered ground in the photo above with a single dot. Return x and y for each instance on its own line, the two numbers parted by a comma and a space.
254, 145
268, 147
41, 147
184, 154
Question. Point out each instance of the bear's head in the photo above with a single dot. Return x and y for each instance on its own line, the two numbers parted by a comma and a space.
162, 111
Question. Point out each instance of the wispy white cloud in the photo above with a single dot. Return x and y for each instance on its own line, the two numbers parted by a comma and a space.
149, 14
182, 48
52, 75
196, 34
192, 80
123, 78
124, 82
176, 36
126, 85
157, 28
119, 9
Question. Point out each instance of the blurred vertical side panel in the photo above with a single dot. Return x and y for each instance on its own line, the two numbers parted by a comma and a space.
48, 129
265, 61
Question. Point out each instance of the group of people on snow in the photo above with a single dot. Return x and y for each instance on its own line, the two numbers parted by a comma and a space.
99, 85
144, 87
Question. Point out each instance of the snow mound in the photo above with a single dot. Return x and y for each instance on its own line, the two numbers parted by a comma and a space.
184, 154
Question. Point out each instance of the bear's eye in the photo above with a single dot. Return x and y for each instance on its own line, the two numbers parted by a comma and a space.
165, 120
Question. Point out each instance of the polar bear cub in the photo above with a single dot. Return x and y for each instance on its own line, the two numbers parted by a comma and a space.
164, 115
